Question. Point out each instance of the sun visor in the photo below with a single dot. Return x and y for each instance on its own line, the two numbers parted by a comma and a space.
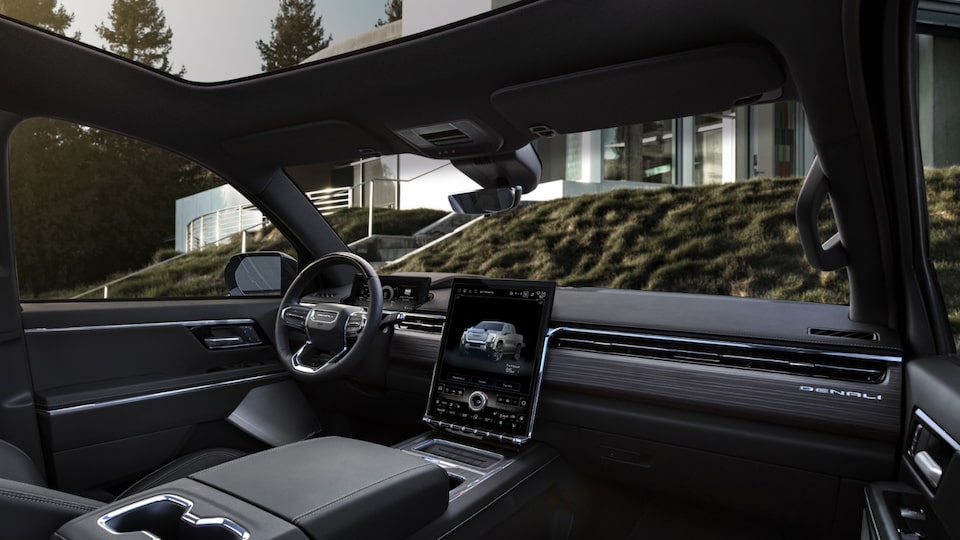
305, 143
693, 82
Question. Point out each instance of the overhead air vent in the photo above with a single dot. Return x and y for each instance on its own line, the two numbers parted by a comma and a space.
806, 362
421, 322
454, 139
446, 137
848, 334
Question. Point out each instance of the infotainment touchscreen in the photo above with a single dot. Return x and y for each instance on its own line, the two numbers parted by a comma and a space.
488, 375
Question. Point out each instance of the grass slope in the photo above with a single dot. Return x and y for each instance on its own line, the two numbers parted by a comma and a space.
201, 273
733, 239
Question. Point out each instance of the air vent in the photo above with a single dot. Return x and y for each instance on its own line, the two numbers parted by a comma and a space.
446, 137
432, 324
830, 365
848, 334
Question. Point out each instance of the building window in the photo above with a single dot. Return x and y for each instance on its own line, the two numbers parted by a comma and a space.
640, 152
714, 159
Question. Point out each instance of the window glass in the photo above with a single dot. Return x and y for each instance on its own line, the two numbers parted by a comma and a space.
97, 215
673, 205
218, 40
641, 152
938, 102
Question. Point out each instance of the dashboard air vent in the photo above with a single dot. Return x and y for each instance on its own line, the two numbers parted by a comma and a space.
849, 334
420, 322
806, 362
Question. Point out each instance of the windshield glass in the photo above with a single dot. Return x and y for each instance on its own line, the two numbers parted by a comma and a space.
702, 204
219, 40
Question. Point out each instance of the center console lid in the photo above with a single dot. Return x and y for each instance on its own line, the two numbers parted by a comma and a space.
330, 487
334, 487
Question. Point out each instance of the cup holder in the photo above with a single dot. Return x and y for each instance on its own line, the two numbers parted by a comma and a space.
168, 517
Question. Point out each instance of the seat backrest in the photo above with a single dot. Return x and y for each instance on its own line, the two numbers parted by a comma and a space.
17, 465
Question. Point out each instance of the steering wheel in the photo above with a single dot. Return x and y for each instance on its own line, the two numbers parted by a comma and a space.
338, 335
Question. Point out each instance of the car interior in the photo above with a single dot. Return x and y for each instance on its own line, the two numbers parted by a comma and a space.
327, 410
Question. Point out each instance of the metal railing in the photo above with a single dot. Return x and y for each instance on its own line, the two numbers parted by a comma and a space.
214, 227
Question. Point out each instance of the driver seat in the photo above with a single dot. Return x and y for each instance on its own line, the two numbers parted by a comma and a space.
29, 509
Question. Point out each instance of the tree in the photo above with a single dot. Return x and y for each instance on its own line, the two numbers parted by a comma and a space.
295, 34
393, 9
43, 13
138, 31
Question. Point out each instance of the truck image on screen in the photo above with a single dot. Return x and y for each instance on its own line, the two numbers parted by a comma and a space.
492, 338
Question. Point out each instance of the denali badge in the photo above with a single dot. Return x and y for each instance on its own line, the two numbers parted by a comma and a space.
846, 393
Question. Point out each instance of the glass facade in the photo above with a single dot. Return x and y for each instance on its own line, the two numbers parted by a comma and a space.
639, 152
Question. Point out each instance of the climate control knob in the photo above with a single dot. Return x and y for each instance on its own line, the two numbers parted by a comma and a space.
477, 401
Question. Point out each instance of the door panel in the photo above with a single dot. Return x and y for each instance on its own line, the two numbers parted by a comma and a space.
925, 502
123, 387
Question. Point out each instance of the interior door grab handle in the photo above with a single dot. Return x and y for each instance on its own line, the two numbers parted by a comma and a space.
928, 467
220, 342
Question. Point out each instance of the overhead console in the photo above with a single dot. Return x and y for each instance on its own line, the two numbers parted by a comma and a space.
487, 379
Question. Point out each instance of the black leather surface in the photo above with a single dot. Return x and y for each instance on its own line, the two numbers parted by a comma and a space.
30, 512
16, 465
182, 467
338, 488
206, 503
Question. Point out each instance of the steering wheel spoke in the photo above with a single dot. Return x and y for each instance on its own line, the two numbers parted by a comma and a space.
295, 316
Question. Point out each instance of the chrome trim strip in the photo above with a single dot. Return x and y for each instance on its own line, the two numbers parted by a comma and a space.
414, 446
187, 517
934, 427
733, 344
433, 316
204, 322
157, 395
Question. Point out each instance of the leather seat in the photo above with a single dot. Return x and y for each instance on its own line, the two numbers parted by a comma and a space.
28, 509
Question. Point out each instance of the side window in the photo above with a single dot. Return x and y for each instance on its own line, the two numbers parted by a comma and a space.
97, 215
938, 103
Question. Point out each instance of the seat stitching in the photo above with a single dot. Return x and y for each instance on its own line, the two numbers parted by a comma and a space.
368, 486
47, 500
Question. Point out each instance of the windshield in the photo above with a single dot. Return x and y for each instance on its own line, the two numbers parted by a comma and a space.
219, 40
702, 204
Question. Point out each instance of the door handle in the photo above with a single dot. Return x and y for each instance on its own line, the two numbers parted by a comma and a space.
222, 342
928, 467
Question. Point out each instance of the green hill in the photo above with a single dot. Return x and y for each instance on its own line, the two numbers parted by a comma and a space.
732, 239
200, 273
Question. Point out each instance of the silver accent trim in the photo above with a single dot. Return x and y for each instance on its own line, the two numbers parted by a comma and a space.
733, 344
934, 427
483, 402
928, 467
204, 322
472, 476
157, 395
232, 526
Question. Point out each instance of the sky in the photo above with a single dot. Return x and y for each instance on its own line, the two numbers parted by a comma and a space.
214, 39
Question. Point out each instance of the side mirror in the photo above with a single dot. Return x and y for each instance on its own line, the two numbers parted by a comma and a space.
486, 201
259, 273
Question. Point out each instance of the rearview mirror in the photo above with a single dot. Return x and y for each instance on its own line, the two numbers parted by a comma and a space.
259, 273
486, 201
